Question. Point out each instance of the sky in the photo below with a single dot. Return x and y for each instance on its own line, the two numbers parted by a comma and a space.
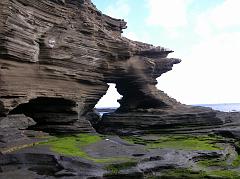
205, 34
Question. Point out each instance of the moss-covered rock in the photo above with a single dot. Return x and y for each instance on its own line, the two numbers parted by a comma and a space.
191, 174
115, 168
183, 142
74, 145
219, 161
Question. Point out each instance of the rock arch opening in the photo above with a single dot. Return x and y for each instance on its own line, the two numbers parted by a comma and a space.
110, 100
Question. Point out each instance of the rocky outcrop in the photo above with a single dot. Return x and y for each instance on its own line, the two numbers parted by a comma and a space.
38, 165
16, 121
112, 157
14, 134
173, 120
58, 56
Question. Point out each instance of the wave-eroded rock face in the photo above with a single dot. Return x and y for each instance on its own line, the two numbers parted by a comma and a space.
57, 57
70, 50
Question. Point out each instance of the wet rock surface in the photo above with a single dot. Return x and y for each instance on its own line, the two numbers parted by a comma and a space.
143, 156
33, 165
14, 133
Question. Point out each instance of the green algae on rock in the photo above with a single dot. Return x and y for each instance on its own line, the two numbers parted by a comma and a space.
225, 174
74, 146
212, 163
236, 162
184, 142
181, 173
115, 168
191, 174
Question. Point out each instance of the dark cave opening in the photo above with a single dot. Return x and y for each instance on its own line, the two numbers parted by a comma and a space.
43, 103
48, 110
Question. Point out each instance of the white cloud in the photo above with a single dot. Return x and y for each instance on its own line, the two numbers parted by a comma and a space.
224, 17
203, 27
131, 35
143, 37
168, 13
120, 9
209, 73
227, 14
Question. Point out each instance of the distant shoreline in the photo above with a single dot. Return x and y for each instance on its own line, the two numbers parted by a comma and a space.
225, 107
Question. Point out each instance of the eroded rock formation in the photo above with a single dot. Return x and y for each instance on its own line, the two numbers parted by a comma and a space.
57, 57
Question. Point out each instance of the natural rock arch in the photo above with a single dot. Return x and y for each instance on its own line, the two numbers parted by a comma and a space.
70, 50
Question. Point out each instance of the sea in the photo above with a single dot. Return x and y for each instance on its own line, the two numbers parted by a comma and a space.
226, 107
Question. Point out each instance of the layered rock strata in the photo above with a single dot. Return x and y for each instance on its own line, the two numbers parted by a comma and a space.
57, 57
173, 120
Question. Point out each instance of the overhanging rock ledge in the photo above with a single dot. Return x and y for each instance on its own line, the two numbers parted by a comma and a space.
57, 57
